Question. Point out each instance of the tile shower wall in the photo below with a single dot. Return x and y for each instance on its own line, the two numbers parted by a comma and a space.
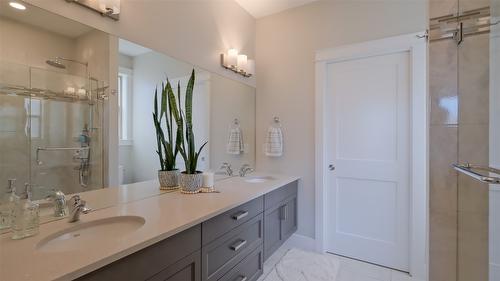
443, 133
473, 147
459, 91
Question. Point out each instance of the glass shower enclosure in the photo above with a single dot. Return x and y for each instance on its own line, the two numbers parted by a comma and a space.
464, 83
50, 130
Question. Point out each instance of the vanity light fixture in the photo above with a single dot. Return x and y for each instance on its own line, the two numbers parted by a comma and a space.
238, 63
107, 8
17, 5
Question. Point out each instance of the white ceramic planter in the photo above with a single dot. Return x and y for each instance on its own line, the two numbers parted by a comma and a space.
191, 183
169, 179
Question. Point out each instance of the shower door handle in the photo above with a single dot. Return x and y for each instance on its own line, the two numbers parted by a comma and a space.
480, 173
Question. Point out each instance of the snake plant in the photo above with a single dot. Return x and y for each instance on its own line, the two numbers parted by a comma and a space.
167, 146
184, 120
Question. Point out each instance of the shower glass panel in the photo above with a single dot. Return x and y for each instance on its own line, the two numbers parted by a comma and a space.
478, 80
14, 133
464, 85
50, 130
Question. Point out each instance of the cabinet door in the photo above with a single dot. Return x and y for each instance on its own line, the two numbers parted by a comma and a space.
187, 269
289, 218
272, 230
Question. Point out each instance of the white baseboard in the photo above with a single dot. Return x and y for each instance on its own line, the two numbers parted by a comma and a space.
301, 242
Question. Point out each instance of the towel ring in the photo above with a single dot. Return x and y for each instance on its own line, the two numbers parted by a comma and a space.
277, 121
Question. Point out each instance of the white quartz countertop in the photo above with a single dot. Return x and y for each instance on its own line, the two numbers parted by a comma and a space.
165, 214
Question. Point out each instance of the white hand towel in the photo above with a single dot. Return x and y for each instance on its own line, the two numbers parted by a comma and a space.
274, 142
235, 142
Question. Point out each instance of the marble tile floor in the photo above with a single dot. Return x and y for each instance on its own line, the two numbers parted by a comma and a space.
350, 270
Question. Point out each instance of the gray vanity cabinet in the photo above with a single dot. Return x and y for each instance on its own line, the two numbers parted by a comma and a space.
187, 269
175, 258
280, 217
231, 238
231, 246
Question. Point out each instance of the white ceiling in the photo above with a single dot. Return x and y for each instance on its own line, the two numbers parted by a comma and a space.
262, 8
131, 49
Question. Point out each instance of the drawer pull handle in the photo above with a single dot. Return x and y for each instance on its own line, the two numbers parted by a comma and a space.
284, 212
235, 247
241, 278
240, 215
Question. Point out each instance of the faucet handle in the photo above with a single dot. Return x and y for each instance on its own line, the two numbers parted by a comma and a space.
85, 209
12, 185
75, 201
59, 203
245, 168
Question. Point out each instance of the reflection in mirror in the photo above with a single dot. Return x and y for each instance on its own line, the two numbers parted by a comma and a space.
53, 81
494, 144
217, 103
58, 80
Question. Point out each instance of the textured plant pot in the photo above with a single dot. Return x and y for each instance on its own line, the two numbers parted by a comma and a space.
191, 183
169, 179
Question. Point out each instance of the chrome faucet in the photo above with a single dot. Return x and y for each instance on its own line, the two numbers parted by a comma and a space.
245, 169
76, 207
226, 166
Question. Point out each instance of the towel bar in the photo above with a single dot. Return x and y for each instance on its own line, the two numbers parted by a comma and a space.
480, 173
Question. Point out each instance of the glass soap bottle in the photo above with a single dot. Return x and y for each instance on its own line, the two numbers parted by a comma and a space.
26, 217
7, 203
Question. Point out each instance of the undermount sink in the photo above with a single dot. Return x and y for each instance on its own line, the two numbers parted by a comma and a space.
86, 234
259, 179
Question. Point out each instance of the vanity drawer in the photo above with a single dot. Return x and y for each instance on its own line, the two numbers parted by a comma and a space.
275, 197
227, 251
154, 259
249, 269
223, 223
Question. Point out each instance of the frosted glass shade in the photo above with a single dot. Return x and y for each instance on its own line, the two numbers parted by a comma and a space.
242, 62
231, 58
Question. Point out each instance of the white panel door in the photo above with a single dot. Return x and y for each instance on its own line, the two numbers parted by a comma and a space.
368, 147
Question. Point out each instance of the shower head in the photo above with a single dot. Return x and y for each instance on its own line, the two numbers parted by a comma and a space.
56, 63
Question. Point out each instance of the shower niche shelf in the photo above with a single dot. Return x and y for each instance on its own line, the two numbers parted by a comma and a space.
13, 90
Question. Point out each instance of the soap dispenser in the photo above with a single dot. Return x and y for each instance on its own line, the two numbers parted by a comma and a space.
26, 217
7, 203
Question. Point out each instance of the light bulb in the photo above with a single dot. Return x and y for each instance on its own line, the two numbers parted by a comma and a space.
17, 5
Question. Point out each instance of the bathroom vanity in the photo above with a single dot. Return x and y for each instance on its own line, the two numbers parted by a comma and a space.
216, 236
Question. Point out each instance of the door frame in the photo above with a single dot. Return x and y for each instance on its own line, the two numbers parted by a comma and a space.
416, 45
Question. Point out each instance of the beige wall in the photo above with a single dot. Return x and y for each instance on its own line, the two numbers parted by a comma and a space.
14, 34
286, 45
195, 31
229, 100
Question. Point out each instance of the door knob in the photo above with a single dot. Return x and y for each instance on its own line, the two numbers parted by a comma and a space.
331, 167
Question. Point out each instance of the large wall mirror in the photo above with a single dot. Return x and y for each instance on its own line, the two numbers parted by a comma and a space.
219, 104
65, 86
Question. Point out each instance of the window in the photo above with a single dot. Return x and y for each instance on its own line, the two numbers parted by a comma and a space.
34, 109
124, 106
